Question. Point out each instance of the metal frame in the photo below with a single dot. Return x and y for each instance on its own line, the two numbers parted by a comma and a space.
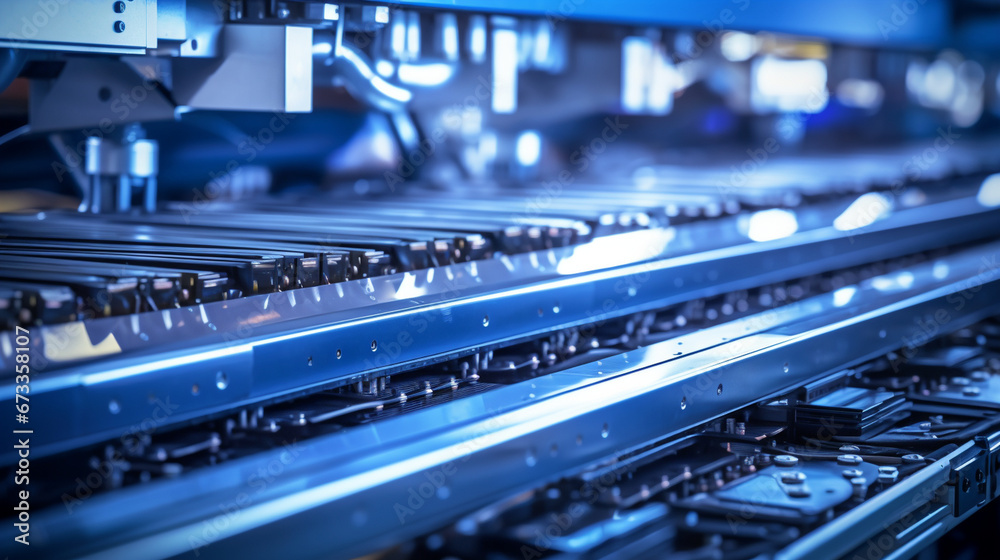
868, 22
79, 25
283, 344
336, 495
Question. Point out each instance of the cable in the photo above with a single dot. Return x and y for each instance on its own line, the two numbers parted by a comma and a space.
17, 132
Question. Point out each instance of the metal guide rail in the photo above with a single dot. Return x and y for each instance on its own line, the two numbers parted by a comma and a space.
792, 361
127, 263
108, 374
62, 267
147, 453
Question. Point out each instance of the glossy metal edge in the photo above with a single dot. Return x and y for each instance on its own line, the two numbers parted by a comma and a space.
338, 494
111, 397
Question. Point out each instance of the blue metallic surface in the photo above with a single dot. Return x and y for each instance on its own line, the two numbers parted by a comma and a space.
287, 343
871, 22
532, 431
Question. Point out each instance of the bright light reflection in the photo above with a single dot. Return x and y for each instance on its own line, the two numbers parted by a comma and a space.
529, 148
789, 85
636, 54
427, 75
843, 296
768, 225
940, 270
989, 191
905, 279
389, 90
385, 68
322, 48
504, 70
883, 284
893, 283
737, 46
863, 94
863, 212
617, 250
408, 287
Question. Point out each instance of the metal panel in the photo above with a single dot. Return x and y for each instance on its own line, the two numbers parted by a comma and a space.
96, 96
879, 23
270, 65
79, 25
859, 532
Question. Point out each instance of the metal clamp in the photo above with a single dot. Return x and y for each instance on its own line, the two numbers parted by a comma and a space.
116, 169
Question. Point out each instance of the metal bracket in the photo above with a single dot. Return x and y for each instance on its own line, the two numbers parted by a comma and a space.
972, 486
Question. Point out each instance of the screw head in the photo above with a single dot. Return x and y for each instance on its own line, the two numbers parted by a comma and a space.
799, 492
851, 473
793, 477
849, 459
786, 460
119, 26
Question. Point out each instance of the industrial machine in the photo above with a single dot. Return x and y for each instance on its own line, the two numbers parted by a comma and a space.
467, 279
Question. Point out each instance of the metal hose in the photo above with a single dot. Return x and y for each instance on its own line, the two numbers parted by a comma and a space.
354, 68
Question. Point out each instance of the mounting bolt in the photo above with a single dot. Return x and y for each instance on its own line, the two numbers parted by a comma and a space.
913, 458
849, 460
119, 26
799, 492
860, 487
793, 477
786, 460
119, 7
980, 376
